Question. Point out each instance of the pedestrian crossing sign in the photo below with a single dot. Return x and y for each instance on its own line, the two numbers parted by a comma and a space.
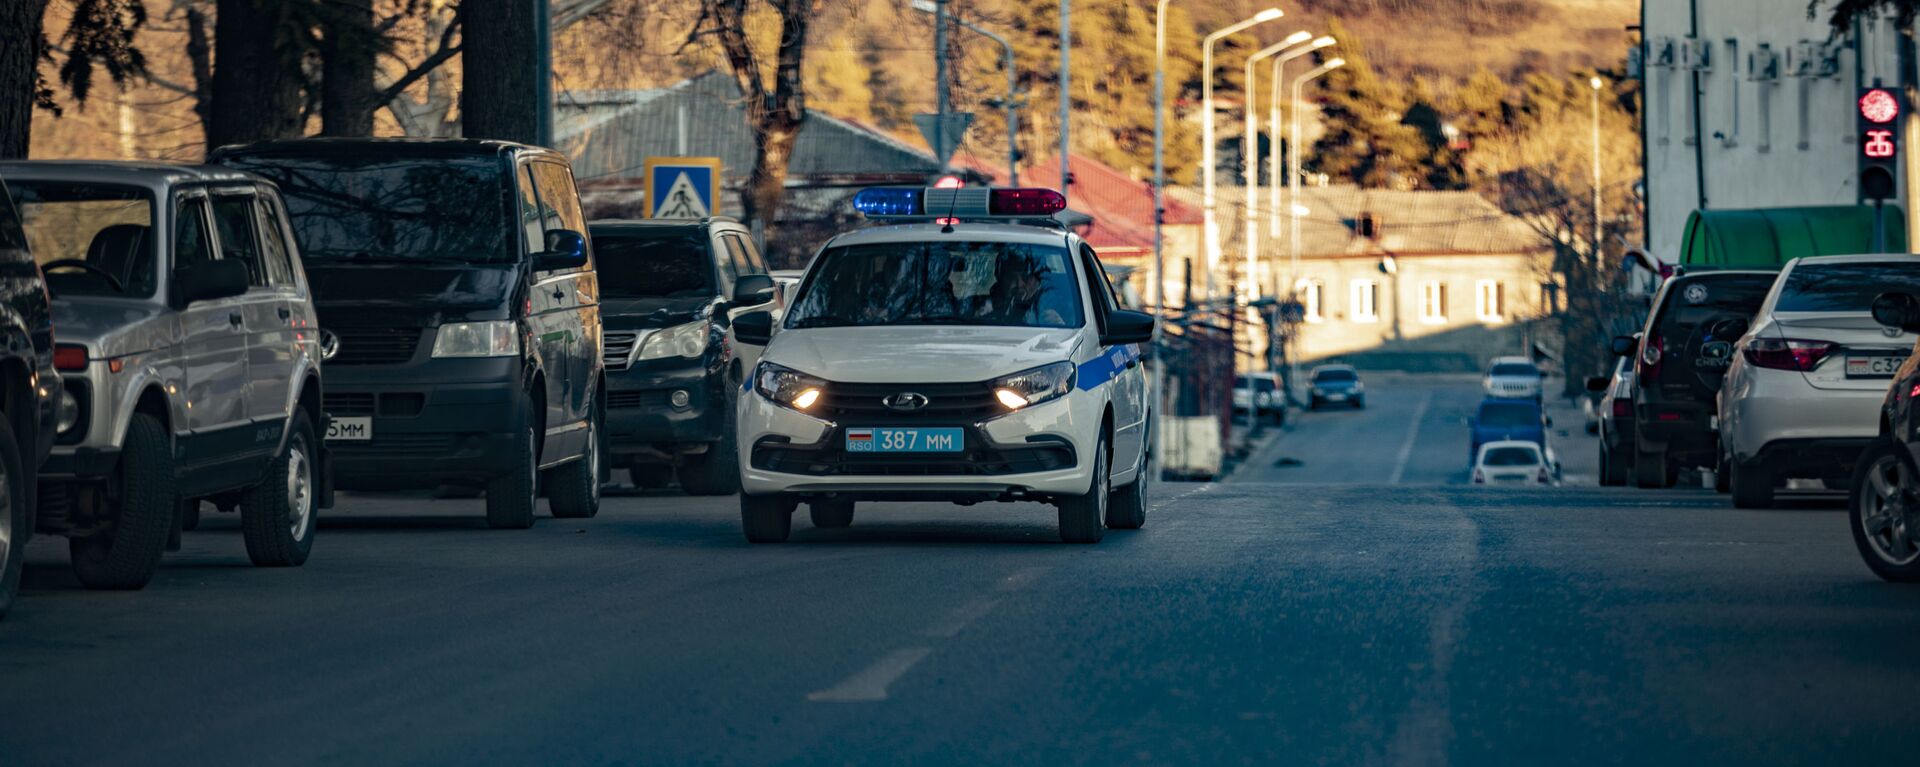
682, 187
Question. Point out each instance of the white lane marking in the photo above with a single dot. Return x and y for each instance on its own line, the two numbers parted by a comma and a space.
1413, 433
1020, 579
870, 684
957, 621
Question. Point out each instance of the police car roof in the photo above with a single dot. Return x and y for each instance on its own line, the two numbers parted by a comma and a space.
964, 232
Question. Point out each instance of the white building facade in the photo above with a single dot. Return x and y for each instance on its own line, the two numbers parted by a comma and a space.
1751, 104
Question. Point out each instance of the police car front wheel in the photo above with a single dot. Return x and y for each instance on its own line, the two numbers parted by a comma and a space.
766, 518
1082, 516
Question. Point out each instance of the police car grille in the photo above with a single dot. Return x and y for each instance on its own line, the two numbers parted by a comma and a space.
375, 346
617, 349
946, 403
830, 460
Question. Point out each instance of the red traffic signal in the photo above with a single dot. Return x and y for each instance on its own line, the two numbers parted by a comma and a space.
1879, 106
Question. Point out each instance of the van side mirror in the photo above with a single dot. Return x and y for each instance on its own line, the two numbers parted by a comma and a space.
1623, 346
1598, 383
752, 290
1897, 310
754, 328
566, 249
210, 280
1125, 326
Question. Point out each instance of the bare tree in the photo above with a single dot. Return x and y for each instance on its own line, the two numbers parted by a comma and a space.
774, 114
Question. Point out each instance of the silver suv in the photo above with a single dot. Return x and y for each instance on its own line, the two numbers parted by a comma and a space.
189, 357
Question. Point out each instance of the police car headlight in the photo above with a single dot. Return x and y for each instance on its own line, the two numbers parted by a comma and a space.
689, 340
1032, 387
499, 338
786, 386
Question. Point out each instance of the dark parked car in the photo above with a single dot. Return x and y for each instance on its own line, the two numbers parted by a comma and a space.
1680, 359
1500, 420
460, 311
669, 291
1614, 418
27, 413
1335, 385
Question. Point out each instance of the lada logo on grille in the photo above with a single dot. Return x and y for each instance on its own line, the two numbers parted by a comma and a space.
906, 400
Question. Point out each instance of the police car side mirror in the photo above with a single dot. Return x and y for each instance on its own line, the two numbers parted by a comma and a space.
1125, 326
1897, 310
1622, 345
755, 328
752, 290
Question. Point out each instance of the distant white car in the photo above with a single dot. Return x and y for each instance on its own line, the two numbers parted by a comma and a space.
1803, 394
1513, 462
1513, 378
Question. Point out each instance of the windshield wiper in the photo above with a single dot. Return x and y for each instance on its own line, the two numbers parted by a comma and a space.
822, 321
949, 319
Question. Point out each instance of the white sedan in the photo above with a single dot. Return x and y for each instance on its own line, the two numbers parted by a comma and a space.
1514, 462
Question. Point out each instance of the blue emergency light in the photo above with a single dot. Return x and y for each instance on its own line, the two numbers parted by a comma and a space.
961, 203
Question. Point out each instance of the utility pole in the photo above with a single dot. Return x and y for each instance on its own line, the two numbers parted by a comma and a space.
940, 75
1066, 96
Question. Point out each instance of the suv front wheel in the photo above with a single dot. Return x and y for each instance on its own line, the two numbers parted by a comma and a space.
717, 471
277, 515
141, 500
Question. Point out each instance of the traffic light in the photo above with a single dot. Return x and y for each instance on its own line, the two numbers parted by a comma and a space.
1878, 117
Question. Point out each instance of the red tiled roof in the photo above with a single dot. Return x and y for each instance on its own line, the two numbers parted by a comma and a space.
1122, 208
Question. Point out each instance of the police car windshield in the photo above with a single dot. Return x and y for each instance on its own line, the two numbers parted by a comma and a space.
941, 283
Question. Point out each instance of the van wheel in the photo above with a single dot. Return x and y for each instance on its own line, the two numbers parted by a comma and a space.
15, 517
717, 471
142, 500
766, 518
1751, 484
573, 489
510, 497
1081, 515
277, 515
832, 514
1650, 468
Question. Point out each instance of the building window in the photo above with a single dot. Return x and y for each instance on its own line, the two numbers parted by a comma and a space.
1433, 303
1366, 301
1489, 301
1309, 291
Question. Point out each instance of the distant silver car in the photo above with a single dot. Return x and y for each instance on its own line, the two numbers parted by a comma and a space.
1613, 421
1513, 378
1802, 396
190, 357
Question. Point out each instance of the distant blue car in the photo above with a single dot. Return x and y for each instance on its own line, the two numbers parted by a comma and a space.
1500, 419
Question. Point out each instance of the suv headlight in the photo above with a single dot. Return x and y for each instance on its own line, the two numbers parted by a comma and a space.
689, 340
788, 387
1032, 387
499, 338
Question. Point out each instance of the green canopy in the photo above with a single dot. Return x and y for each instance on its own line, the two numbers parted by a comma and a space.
1773, 236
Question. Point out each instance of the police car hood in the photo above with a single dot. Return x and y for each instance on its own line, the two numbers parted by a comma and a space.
919, 353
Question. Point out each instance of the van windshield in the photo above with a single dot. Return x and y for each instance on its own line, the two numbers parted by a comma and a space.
394, 210
941, 283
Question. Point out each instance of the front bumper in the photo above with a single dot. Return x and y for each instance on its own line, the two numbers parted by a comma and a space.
641, 417
427, 430
1036, 453
80, 463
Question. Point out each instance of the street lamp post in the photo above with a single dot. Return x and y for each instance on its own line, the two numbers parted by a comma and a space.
1598, 233
1210, 223
1293, 192
1012, 103
1274, 170
1251, 156
1159, 152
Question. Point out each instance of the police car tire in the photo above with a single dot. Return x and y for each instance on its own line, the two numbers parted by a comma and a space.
573, 489
126, 558
1080, 515
833, 514
766, 518
1127, 509
511, 496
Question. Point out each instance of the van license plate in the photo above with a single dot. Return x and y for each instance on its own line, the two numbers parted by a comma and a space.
890, 440
350, 429
1875, 366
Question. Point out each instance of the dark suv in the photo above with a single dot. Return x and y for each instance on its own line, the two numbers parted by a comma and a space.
669, 291
1679, 361
27, 423
459, 310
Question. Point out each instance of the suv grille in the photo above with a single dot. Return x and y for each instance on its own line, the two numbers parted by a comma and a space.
617, 349
375, 346
946, 403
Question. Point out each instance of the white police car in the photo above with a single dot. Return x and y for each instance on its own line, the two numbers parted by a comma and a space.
974, 354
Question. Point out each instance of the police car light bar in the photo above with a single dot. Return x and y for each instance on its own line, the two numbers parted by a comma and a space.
963, 203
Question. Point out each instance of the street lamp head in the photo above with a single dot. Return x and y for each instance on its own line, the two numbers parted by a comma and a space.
1596, 83
1323, 42
1334, 63
1268, 15
1298, 37
926, 6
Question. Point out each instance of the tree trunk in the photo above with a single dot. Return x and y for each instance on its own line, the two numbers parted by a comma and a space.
767, 180
347, 91
256, 74
19, 56
774, 117
497, 96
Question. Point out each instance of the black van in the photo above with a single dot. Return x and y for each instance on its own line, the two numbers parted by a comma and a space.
1679, 360
459, 310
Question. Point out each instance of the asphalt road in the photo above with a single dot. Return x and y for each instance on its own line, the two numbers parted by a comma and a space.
1249, 623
